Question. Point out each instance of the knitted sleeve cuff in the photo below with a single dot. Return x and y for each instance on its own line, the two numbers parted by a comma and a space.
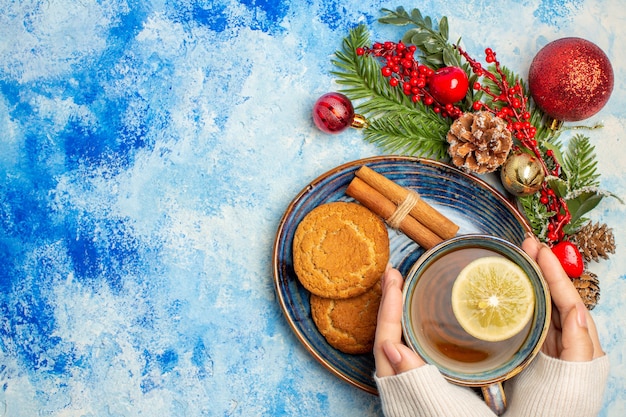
424, 392
552, 387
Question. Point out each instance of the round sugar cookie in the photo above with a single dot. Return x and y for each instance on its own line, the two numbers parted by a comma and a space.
348, 325
340, 250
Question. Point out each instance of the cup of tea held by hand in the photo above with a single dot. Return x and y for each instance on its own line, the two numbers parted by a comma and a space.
478, 308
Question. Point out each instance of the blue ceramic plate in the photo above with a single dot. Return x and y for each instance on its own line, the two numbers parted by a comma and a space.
470, 202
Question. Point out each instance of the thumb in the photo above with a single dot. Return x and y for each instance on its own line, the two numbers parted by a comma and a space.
401, 358
577, 343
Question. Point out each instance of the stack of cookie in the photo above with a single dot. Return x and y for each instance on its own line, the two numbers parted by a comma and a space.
340, 252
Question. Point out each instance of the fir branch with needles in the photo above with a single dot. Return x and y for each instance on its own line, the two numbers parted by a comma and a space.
583, 193
537, 214
395, 122
580, 163
432, 40
391, 132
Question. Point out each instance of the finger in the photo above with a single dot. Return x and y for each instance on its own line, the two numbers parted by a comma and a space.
577, 343
389, 321
564, 295
595, 339
552, 344
401, 358
531, 246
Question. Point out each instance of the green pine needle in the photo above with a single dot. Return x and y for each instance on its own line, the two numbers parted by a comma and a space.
580, 163
396, 124
537, 214
409, 136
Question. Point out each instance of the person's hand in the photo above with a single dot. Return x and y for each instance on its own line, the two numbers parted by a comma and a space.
572, 335
391, 355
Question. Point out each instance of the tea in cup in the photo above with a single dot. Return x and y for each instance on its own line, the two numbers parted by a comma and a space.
434, 329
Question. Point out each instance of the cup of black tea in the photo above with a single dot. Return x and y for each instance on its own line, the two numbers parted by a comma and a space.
477, 307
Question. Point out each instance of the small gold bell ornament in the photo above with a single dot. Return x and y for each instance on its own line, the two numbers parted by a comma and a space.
522, 174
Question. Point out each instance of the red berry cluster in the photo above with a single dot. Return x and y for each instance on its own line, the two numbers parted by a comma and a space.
557, 205
405, 72
514, 110
514, 103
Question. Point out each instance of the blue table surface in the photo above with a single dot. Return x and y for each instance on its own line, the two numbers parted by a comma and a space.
149, 150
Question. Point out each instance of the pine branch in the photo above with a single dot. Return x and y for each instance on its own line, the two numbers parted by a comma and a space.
359, 78
410, 136
536, 213
580, 163
411, 127
583, 179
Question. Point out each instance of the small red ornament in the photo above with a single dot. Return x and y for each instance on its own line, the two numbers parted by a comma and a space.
448, 85
333, 113
570, 79
570, 258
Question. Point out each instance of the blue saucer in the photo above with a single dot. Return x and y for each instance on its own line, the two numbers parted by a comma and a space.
470, 202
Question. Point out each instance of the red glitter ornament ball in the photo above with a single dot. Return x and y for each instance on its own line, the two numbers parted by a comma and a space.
570, 79
333, 113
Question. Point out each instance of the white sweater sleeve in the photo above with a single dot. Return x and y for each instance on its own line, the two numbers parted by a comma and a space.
424, 392
551, 387
548, 388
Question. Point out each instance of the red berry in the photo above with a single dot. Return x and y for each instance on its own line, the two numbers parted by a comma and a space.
448, 85
333, 112
570, 258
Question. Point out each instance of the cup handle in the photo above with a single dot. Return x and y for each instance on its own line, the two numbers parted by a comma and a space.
495, 398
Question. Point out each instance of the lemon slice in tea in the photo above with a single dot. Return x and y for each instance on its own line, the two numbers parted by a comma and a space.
492, 298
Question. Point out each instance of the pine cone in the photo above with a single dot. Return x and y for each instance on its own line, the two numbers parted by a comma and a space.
588, 287
595, 241
479, 142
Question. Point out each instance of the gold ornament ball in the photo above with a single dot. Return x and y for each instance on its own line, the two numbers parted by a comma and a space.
522, 174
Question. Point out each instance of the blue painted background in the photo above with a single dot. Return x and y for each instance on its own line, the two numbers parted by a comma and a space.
147, 153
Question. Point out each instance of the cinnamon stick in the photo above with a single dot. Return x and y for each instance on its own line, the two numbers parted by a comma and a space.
383, 207
422, 211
